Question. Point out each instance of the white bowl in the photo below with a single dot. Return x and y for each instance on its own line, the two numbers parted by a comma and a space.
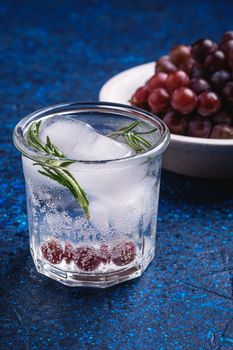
193, 156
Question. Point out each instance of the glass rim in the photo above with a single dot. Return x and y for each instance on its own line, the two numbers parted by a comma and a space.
28, 151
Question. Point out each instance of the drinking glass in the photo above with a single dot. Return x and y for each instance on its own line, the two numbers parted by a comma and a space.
115, 240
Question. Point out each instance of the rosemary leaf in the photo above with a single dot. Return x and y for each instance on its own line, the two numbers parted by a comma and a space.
133, 138
52, 169
142, 141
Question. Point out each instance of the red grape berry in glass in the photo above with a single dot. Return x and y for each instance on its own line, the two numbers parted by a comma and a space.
176, 123
68, 253
156, 81
52, 251
184, 100
86, 258
222, 131
140, 96
104, 253
219, 79
228, 92
202, 48
199, 127
216, 61
208, 104
176, 80
123, 253
199, 85
159, 100
180, 54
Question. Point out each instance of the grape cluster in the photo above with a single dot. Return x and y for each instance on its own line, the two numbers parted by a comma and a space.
192, 89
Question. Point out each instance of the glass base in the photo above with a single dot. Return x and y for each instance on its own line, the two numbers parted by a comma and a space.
75, 279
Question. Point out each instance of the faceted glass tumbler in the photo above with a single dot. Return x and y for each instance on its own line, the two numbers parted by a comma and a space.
117, 242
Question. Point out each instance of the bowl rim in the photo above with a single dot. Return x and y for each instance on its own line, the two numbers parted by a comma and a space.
174, 137
201, 141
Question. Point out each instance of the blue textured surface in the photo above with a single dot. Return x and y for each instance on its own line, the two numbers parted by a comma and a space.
58, 51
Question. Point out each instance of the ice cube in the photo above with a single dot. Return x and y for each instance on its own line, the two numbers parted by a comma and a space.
79, 140
120, 195
99, 217
126, 212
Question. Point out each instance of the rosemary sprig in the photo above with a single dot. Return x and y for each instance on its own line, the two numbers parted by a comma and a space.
52, 168
133, 138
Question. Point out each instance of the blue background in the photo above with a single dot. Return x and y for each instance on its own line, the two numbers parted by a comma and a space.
60, 51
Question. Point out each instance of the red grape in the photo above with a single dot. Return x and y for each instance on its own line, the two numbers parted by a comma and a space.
215, 61
201, 48
228, 92
140, 97
226, 46
156, 81
86, 258
222, 117
208, 103
190, 85
164, 58
175, 122
188, 66
165, 65
230, 58
222, 131
180, 54
104, 253
52, 251
176, 80
184, 100
199, 127
159, 100
199, 72
227, 36
68, 252
199, 85
219, 79
123, 253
